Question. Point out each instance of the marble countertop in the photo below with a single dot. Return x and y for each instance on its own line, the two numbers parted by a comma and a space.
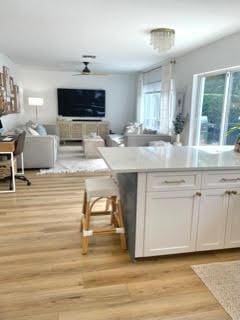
172, 158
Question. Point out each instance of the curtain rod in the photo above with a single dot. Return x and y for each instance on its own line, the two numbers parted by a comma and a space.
159, 67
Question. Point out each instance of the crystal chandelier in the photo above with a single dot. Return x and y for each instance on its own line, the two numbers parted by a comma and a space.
162, 39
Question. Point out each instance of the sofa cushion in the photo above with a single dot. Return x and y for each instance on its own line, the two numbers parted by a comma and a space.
41, 130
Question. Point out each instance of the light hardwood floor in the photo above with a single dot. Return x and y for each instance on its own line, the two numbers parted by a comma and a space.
43, 275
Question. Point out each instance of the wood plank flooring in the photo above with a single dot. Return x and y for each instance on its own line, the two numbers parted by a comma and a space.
43, 275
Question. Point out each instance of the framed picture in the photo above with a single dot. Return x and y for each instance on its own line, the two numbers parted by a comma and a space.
6, 81
1, 79
12, 105
2, 104
17, 105
11, 83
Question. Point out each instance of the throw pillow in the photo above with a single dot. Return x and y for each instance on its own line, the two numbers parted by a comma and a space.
33, 132
41, 130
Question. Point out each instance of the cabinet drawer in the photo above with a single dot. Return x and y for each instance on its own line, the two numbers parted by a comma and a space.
216, 179
173, 181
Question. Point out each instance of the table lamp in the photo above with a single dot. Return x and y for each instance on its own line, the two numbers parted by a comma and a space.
35, 102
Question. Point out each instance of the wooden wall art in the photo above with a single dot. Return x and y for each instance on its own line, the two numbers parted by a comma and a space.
9, 93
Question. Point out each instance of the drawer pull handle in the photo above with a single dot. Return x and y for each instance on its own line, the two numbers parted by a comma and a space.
230, 180
234, 192
199, 194
176, 181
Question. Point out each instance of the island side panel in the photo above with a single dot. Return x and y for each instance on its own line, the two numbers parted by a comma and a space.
128, 191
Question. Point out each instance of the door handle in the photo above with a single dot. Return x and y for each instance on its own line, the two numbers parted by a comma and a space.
230, 180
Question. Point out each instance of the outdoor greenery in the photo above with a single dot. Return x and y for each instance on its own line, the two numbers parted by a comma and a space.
213, 106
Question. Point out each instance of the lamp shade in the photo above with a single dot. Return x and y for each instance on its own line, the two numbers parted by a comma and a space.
36, 102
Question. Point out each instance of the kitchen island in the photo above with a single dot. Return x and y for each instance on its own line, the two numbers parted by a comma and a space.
178, 199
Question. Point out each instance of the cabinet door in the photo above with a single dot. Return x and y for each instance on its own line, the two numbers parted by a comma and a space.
212, 219
233, 221
170, 222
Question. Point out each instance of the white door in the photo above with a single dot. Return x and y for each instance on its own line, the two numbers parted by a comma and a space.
233, 222
212, 219
170, 222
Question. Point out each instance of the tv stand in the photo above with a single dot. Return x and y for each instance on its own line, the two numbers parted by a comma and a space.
75, 130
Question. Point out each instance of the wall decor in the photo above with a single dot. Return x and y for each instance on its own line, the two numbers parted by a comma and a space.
9, 93
11, 84
16, 92
1, 79
6, 81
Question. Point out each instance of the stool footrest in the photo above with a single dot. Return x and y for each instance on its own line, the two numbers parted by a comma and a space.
89, 233
100, 213
120, 230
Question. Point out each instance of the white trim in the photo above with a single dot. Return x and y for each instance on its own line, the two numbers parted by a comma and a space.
219, 71
140, 214
225, 106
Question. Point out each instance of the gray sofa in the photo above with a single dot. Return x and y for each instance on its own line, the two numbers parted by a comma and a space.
41, 151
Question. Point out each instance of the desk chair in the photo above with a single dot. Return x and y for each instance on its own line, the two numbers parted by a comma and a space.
17, 152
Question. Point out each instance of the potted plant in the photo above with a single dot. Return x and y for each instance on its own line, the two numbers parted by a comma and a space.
237, 142
178, 125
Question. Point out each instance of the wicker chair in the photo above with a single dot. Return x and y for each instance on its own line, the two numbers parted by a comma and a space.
6, 165
5, 170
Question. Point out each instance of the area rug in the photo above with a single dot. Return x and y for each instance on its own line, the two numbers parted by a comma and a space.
71, 159
223, 280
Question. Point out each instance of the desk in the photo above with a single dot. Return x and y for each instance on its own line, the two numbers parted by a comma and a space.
8, 147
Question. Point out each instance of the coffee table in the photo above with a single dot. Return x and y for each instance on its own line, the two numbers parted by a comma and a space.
90, 145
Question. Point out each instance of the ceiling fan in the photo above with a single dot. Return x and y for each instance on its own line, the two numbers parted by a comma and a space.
87, 72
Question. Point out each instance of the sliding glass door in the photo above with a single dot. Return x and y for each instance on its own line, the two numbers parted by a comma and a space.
218, 108
233, 110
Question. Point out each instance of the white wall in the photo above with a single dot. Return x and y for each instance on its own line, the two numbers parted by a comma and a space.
223, 53
10, 121
120, 94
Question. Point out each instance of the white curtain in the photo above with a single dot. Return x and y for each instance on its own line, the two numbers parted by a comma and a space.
152, 107
168, 98
156, 96
140, 102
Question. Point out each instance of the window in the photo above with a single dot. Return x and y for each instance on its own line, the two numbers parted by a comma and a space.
151, 106
218, 108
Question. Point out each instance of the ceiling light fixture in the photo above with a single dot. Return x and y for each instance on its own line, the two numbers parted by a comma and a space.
162, 39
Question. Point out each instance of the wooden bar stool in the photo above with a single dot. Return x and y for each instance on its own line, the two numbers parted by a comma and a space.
95, 190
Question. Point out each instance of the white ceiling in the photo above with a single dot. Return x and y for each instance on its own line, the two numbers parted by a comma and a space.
55, 34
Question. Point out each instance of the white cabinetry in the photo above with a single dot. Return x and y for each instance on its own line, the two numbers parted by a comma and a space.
232, 238
212, 220
186, 212
170, 223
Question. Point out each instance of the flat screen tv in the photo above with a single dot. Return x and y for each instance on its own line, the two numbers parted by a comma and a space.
81, 103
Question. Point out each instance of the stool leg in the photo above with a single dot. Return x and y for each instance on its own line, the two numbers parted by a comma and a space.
86, 223
121, 225
83, 210
108, 202
114, 210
